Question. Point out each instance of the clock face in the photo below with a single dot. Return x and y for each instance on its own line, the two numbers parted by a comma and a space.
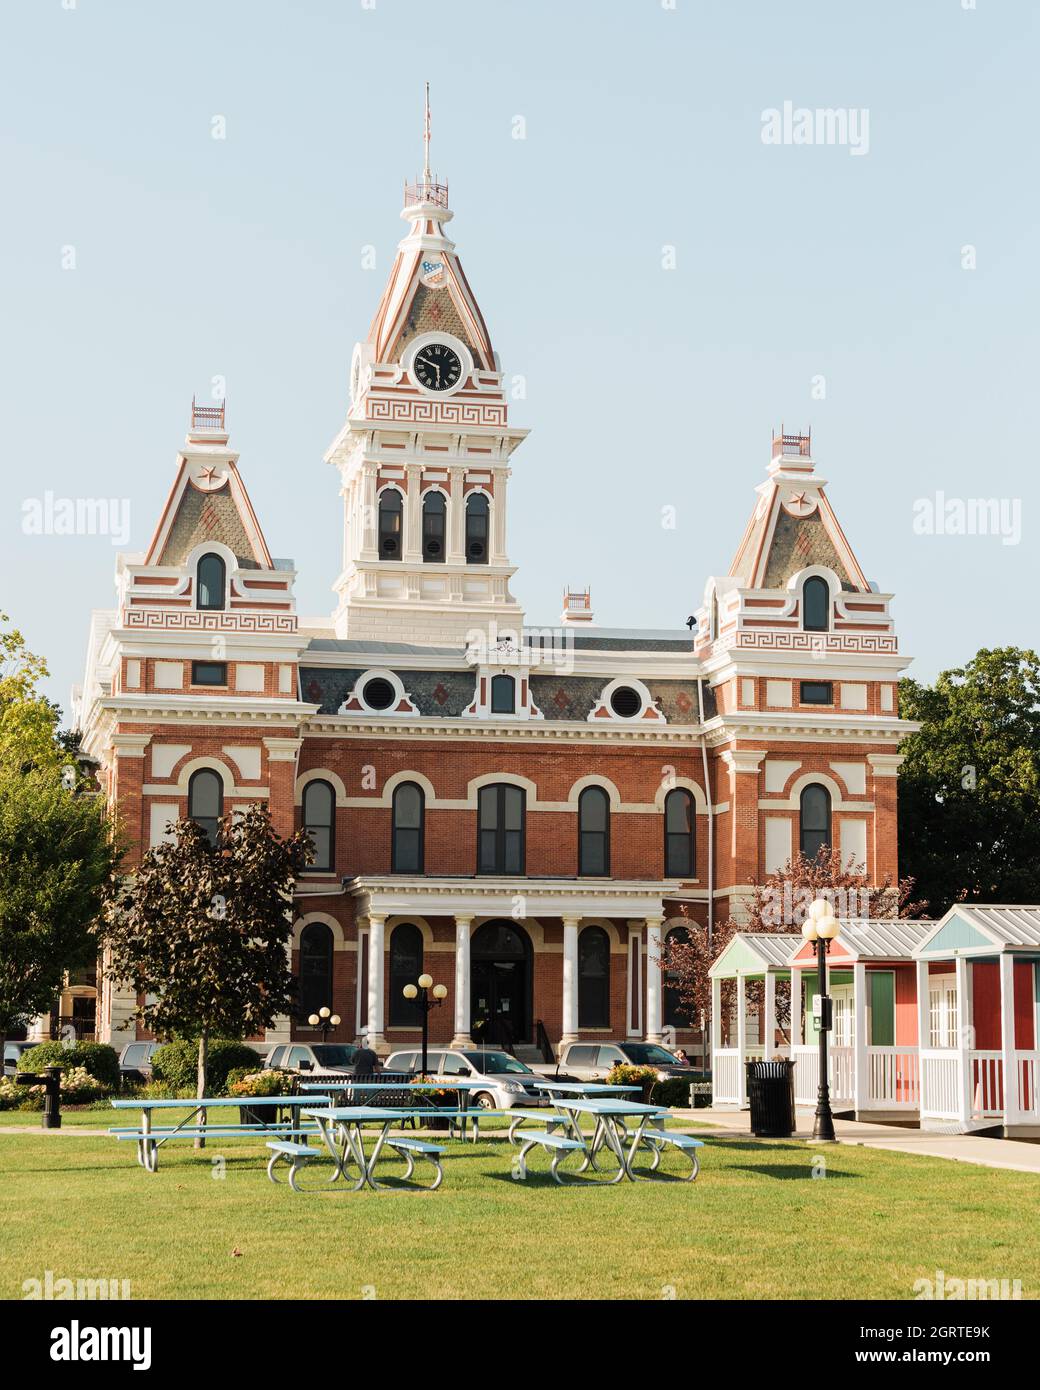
437, 367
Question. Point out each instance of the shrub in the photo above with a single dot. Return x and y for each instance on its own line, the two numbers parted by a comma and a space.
177, 1063
673, 1092
100, 1060
11, 1095
260, 1083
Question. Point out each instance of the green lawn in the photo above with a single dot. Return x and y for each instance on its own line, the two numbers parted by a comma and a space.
756, 1224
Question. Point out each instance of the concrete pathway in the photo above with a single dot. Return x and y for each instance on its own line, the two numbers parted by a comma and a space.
1016, 1154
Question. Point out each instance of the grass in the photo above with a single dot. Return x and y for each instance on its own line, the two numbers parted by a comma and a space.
756, 1224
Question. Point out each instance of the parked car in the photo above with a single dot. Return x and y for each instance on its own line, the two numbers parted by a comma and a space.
12, 1052
593, 1061
135, 1060
262, 1049
317, 1059
504, 1076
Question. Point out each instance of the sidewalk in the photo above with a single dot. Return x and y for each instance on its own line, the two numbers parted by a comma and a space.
963, 1148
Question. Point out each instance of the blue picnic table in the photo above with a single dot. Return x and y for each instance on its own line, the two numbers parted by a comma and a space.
148, 1138
342, 1131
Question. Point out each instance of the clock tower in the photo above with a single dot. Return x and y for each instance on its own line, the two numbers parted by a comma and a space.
425, 451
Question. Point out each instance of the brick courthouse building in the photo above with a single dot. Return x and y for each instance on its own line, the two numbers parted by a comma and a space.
523, 813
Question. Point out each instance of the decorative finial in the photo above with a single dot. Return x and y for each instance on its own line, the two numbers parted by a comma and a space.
426, 139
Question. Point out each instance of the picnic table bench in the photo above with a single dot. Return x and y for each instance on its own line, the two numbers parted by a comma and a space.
149, 1138
610, 1132
341, 1129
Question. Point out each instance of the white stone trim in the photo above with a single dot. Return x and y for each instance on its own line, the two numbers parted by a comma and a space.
339, 939
601, 712
321, 774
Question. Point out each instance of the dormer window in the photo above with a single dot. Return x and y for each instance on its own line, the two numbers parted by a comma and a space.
816, 605
503, 695
210, 582
391, 512
478, 515
434, 513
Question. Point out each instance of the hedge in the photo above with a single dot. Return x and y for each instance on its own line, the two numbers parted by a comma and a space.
100, 1060
176, 1064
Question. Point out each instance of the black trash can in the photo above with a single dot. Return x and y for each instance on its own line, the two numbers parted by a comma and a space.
770, 1088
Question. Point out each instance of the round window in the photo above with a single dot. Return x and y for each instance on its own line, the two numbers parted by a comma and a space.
626, 702
378, 693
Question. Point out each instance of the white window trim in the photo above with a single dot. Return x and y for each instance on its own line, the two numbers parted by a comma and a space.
601, 712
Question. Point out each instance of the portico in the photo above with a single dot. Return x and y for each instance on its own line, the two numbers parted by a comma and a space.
515, 955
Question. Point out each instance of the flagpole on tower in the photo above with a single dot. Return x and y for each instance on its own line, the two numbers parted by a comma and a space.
426, 140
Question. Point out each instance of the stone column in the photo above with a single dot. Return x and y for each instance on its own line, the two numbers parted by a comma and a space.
457, 518
463, 990
653, 979
411, 541
369, 513
376, 965
570, 978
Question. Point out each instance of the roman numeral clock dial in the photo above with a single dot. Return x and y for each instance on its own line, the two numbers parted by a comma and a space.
437, 367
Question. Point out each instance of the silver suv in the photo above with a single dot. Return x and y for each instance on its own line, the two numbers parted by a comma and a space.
316, 1059
505, 1078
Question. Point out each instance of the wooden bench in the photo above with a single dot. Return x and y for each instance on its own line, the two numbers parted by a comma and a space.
656, 1139
557, 1144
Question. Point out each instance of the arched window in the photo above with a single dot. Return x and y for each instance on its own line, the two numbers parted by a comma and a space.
503, 695
675, 1015
816, 604
434, 515
679, 858
500, 830
391, 512
206, 801
815, 829
406, 965
210, 582
593, 831
319, 821
593, 978
315, 969
406, 849
478, 515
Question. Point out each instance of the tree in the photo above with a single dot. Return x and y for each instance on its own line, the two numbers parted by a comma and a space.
28, 720
57, 856
968, 790
780, 905
202, 930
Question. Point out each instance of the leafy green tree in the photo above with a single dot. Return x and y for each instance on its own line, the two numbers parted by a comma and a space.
28, 720
57, 857
969, 790
202, 930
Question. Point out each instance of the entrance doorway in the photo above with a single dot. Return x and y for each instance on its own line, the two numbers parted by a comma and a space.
500, 971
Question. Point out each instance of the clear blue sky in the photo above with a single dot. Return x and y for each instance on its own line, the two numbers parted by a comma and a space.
646, 387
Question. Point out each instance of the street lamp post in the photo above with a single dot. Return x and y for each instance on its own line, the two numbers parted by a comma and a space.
422, 991
324, 1019
821, 927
